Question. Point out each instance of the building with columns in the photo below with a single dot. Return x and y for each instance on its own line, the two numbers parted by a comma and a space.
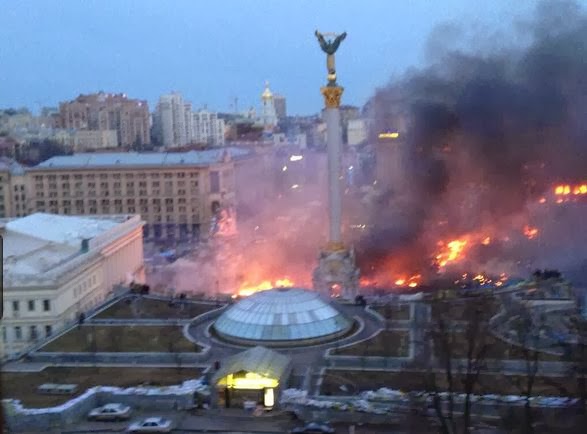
57, 267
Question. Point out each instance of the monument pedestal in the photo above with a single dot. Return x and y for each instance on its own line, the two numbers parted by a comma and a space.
336, 273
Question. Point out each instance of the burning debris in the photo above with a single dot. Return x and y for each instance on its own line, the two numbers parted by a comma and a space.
483, 137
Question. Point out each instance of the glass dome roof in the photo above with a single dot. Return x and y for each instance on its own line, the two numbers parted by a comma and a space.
284, 314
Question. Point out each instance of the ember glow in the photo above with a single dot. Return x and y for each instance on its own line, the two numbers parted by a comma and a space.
530, 232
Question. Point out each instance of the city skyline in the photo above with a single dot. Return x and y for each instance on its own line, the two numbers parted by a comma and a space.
77, 54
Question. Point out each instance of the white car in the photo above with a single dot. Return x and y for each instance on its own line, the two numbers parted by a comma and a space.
110, 412
151, 424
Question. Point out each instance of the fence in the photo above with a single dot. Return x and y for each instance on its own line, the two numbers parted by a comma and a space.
121, 357
21, 419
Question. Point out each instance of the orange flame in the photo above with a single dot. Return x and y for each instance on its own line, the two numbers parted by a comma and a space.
530, 232
247, 289
451, 251
567, 189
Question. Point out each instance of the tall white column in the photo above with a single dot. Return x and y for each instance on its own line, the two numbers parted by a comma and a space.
334, 144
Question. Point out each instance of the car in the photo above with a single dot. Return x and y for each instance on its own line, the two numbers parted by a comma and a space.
150, 424
314, 428
112, 411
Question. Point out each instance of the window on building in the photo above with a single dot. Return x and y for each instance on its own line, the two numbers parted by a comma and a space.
33, 333
31, 305
46, 305
4, 334
214, 182
17, 333
15, 306
48, 330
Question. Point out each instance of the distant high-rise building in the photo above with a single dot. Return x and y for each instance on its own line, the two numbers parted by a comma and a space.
280, 106
106, 111
268, 114
170, 121
207, 128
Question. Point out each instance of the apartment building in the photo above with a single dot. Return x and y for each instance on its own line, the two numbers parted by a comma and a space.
85, 140
56, 267
171, 120
207, 128
177, 125
105, 111
13, 189
177, 194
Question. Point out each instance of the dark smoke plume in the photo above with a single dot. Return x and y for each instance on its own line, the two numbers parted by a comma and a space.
484, 133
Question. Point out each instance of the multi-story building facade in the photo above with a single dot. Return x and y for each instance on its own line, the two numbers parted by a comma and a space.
170, 120
85, 140
207, 128
105, 111
56, 267
13, 189
177, 194
177, 125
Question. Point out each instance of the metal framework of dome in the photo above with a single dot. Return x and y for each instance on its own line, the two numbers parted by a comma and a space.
285, 316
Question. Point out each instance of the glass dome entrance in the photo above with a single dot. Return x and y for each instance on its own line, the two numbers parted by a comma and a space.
284, 315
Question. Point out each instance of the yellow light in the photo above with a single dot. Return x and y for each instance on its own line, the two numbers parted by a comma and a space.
251, 380
393, 135
269, 398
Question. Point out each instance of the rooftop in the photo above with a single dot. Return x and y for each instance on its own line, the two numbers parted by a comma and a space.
10, 165
135, 159
260, 360
38, 248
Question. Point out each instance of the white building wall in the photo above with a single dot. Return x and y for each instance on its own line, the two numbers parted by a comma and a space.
118, 260
208, 128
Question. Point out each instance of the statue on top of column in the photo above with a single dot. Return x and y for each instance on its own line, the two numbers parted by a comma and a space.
330, 47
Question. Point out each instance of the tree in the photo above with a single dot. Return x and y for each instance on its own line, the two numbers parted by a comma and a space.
575, 354
461, 339
527, 331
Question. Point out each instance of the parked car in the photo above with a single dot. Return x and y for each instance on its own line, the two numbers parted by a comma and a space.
150, 424
110, 411
314, 428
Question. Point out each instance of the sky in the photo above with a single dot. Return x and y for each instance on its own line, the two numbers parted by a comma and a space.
214, 51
